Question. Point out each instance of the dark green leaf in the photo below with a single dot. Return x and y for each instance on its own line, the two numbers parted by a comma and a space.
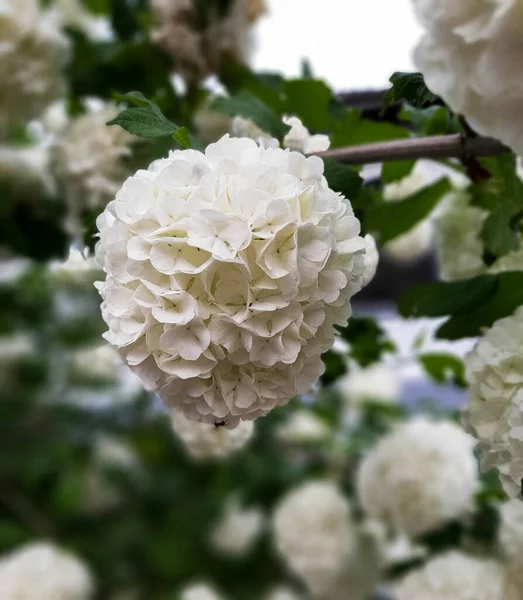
506, 297
410, 87
396, 170
391, 219
444, 367
367, 340
354, 130
309, 100
433, 120
246, 105
441, 299
335, 367
342, 178
502, 195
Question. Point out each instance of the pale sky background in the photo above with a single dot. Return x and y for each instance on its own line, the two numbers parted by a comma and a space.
353, 45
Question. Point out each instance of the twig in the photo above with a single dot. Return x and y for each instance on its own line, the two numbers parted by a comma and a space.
442, 146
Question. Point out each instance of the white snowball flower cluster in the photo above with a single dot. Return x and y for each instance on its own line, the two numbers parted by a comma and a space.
298, 138
302, 427
72, 13
33, 54
41, 570
457, 228
26, 171
419, 476
197, 51
372, 258
226, 274
378, 383
282, 593
237, 530
471, 56
494, 370
204, 440
200, 591
314, 534
100, 494
90, 157
510, 533
456, 576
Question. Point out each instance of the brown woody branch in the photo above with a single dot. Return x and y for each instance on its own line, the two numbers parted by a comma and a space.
443, 146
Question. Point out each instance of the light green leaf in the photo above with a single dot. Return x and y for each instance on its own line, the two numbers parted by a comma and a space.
183, 137
444, 367
391, 219
309, 100
248, 106
395, 170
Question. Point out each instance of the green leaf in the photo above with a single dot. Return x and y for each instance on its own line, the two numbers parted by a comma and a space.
433, 120
446, 298
306, 69
147, 120
309, 100
506, 297
410, 87
342, 179
367, 340
183, 137
396, 170
444, 367
248, 106
502, 195
354, 130
391, 219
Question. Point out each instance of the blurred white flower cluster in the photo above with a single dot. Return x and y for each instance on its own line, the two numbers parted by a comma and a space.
494, 414
457, 227
510, 532
237, 530
204, 440
304, 427
282, 593
471, 56
73, 14
33, 54
226, 274
314, 533
419, 476
90, 157
41, 570
200, 591
457, 576
198, 36
26, 171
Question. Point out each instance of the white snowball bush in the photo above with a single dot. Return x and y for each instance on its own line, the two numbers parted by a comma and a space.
226, 274
237, 530
510, 531
204, 440
198, 51
456, 576
471, 56
419, 476
303, 427
457, 228
90, 157
314, 534
200, 591
26, 171
41, 570
33, 53
378, 383
493, 414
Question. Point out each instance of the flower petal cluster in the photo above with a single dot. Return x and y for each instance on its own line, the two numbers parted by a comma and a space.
471, 56
493, 414
199, 591
510, 532
457, 232
282, 593
42, 570
226, 274
456, 576
298, 138
419, 476
237, 530
90, 158
314, 533
204, 441
304, 427
379, 384
33, 54
198, 36
72, 13
26, 172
